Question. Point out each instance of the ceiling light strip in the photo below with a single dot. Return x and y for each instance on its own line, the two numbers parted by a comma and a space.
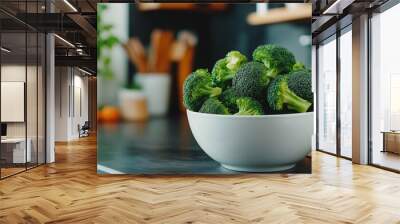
64, 40
337, 7
84, 71
70, 5
334, 5
5, 49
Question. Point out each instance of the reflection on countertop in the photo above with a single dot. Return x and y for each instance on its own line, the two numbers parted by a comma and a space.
159, 146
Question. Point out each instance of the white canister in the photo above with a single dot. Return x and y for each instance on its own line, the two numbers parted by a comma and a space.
133, 105
156, 87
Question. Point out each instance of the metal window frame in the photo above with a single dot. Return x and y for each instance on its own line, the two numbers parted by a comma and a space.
44, 75
339, 32
0, 92
381, 9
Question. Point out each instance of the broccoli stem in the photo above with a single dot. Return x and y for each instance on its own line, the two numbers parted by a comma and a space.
244, 112
228, 77
211, 91
265, 80
295, 102
216, 91
241, 112
272, 73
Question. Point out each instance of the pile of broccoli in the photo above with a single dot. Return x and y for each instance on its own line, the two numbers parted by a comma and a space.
274, 82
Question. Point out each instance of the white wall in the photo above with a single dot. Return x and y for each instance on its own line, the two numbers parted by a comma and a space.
61, 103
117, 14
12, 73
79, 117
34, 125
69, 82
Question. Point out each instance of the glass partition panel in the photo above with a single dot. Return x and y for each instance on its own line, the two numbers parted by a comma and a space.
385, 89
346, 93
32, 98
15, 151
327, 96
41, 78
22, 67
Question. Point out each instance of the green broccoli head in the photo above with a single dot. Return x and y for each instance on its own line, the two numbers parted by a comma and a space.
228, 98
279, 95
251, 80
277, 59
248, 106
300, 83
197, 88
226, 68
213, 106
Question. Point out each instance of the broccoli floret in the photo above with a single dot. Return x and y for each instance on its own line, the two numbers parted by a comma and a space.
228, 98
298, 66
300, 83
277, 59
202, 71
235, 59
197, 89
251, 80
226, 68
213, 106
279, 95
248, 106
220, 73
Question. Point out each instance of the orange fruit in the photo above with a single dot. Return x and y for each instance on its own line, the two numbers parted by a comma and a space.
109, 114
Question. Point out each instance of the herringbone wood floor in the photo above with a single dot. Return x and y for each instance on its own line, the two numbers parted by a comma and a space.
70, 191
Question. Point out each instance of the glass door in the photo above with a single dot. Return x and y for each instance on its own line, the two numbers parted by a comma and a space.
22, 78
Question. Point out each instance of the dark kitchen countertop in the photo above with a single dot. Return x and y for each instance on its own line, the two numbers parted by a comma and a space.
159, 146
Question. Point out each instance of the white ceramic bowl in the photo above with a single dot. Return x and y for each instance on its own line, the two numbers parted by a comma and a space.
263, 143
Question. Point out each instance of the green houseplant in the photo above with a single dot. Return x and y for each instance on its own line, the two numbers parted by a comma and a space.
132, 102
106, 40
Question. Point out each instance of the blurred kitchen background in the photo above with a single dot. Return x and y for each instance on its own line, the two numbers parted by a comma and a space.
145, 52
207, 31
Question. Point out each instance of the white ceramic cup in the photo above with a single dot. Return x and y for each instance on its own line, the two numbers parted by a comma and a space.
264, 143
156, 87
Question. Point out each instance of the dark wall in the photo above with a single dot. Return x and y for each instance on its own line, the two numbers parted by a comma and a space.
232, 32
142, 23
220, 32
288, 35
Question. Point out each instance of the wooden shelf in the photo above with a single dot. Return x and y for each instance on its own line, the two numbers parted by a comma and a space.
280, 15
151, 6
